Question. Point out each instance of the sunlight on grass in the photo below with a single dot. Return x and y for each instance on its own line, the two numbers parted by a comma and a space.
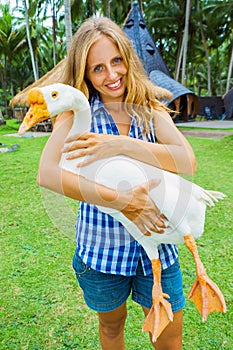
41, 304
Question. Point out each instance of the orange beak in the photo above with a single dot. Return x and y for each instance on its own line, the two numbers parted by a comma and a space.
36, 113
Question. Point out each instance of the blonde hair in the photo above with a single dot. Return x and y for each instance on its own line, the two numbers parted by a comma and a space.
141, 94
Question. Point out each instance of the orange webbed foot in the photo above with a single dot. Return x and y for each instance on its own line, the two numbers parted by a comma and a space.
159, 317
207, 296
160, 314
204, 293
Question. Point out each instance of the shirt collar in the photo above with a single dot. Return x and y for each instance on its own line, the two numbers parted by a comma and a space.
96, 103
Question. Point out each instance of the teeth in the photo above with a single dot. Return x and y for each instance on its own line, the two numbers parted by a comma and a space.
115, 84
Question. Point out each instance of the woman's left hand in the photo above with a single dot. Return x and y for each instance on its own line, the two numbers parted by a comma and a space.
142, 210
91, 145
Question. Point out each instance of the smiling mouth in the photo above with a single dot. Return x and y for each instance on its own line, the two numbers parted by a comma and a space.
115, 85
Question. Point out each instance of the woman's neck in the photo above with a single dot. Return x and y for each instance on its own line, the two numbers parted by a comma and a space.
120, 117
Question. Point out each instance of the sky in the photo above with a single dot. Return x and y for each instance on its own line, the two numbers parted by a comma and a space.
20, 3
11, 2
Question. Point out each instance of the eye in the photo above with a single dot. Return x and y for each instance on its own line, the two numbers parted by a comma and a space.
98, 69
54, 94
117, 59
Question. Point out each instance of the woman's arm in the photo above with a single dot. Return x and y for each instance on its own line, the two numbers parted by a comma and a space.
172, 152
51, 176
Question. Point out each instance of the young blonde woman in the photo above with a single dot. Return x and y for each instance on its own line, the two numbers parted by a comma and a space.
127, 119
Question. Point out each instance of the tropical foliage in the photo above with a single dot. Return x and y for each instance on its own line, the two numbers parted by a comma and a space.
195, 39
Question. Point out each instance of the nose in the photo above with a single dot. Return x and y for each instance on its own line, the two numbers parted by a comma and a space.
111, 74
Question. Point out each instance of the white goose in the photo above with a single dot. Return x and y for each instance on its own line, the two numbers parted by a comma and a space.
182, 202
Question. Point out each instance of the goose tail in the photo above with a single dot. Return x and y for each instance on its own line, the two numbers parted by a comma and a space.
211, 197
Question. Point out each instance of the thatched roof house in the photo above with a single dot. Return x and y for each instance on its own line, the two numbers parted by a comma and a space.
183, 100
136, 29
53, 76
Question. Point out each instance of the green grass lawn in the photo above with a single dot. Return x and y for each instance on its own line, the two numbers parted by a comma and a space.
41, 304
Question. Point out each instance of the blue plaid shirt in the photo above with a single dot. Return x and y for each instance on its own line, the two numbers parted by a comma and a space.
102, 242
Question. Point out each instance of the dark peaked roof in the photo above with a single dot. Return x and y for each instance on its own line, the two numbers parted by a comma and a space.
136, 30
161, 79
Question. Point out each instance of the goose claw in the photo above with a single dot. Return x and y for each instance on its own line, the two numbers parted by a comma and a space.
207, 297
159, 316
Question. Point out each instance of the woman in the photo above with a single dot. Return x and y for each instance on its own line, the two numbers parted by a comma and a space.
129, 120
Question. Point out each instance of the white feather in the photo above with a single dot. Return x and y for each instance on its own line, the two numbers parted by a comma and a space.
181, 201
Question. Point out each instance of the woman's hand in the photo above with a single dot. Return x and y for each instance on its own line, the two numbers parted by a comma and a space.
142, 210
138, 208
91, 145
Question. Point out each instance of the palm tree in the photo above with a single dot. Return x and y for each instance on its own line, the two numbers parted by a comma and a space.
186, 35
33, 6
230, 68
11, 43
207, 63
68, 24
165, 22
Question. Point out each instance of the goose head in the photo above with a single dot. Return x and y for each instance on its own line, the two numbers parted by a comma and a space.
48, 101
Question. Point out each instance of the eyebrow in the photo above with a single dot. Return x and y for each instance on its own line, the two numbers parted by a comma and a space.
93, 65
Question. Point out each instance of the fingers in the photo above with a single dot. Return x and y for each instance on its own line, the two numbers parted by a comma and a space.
72, 146
75, 145
88, 158
148, 226
77, 142
86, 162
147, 230
77, 154
75, 137
157, 227
153, 183
146, 216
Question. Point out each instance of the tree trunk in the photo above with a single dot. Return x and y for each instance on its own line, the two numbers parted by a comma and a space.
54, 19
178, 63
68, 24
206, 52
35, 72
141, 6
219, 71
230, 68
185, 38
106, 8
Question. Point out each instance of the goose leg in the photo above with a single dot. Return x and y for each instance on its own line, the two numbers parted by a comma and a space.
204, 293
161, 312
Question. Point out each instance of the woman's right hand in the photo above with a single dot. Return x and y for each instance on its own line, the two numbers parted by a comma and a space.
92, 146
143, 211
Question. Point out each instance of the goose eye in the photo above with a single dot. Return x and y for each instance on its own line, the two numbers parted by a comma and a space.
54, 94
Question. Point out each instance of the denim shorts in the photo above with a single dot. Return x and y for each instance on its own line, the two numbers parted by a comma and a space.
106, 292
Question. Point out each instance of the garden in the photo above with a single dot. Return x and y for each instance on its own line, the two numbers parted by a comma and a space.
41, 303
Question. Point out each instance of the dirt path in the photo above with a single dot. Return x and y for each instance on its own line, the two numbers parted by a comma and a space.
210, 134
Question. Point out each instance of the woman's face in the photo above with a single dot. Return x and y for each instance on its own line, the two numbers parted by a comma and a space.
106, 70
